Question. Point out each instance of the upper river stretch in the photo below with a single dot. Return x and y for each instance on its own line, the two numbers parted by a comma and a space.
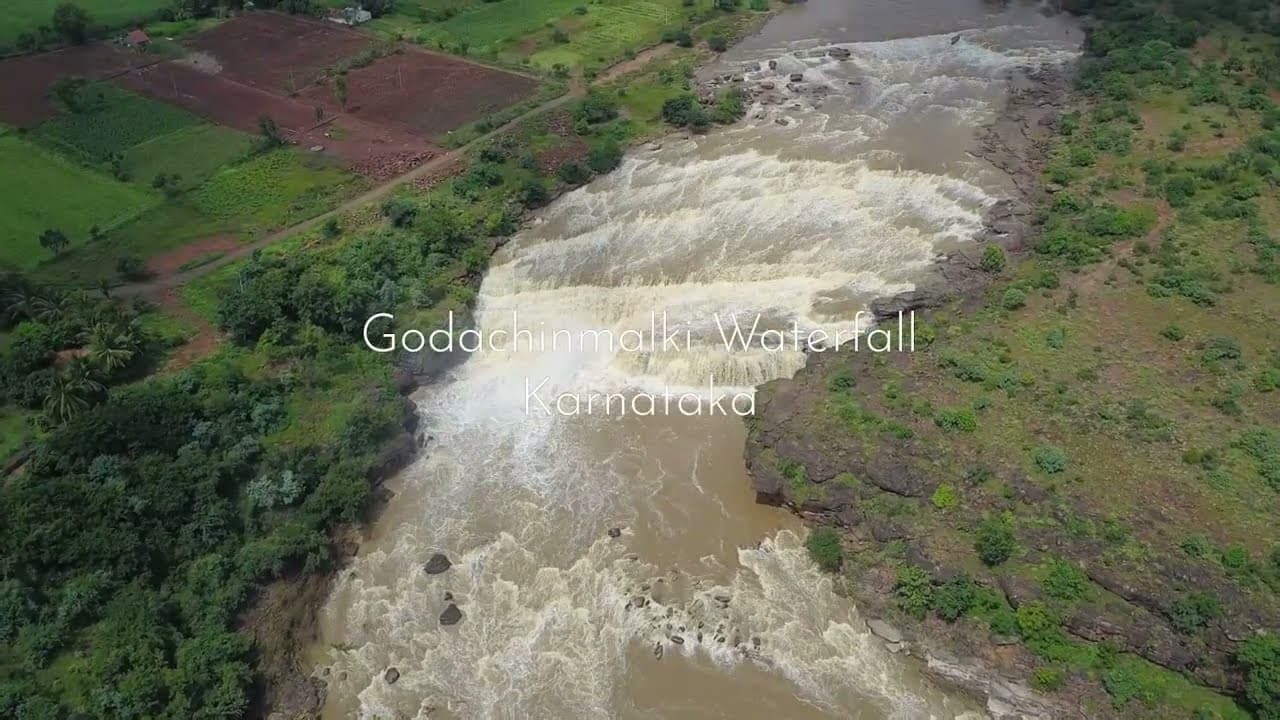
707, 605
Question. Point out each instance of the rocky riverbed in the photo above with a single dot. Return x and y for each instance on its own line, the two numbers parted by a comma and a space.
991, 666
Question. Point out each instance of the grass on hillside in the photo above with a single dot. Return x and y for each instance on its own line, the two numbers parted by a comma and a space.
1129, 370
193, 154
44, 191
13, 430
544, 33
24, 16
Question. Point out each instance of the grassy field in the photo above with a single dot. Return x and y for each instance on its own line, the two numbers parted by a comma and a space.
273, 190
26, 15
115, 122
247, 199
606, 32
543, 33
45, 191
193, 154
13, 430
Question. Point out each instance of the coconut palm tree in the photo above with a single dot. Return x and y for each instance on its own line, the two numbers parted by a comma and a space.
66, 398
50, 308
83, 376
111, 347
19, 303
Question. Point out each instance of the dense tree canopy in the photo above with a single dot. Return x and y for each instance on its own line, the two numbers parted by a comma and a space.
146, 516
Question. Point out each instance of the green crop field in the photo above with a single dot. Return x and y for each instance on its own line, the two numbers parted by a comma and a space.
115, 123
45, 191
495, 24
22, 16
248, 199
608, 31
546, 32
193, 154
273, 190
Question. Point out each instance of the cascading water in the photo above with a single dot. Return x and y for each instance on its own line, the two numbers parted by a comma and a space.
840, 186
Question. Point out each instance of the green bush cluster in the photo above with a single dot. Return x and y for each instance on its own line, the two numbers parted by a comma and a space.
945, 497
1050, 459
957, 419
994, 540
916, 594
824, 547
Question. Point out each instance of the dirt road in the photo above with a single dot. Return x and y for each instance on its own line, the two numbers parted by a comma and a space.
155, 288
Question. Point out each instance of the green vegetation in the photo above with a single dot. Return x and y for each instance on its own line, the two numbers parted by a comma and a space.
560, 35
190, 180
102, 123
1101, 431
1260, 657
25, 17
163, 490
994, 540
823, 544
272, 190
149, 512
52, 193
191, 155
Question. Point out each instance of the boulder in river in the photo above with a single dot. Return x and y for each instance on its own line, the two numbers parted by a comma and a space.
797, 77
391, 676
615, 532
886, 308
437, 564
451, 615
884, 630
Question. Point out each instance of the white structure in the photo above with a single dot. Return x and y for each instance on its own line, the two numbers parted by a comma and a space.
351, 16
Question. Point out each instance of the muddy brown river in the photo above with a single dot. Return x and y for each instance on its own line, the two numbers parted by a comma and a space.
836, 188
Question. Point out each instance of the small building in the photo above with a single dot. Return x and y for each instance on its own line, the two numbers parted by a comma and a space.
137, 39
350, 16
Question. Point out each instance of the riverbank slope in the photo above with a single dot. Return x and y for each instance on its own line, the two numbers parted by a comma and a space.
1070, 481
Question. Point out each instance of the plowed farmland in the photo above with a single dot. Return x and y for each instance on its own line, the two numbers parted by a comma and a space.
372, 150
273, 65
423, 91
25, 81
275, 52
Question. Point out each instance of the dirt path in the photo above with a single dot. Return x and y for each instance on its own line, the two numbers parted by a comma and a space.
639, 62
155, 288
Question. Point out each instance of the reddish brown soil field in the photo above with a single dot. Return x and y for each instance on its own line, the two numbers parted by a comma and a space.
424, 92
200, 345
371, 150
280, 53
168, 263
25, 80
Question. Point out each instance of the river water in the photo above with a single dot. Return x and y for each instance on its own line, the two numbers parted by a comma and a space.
837, 189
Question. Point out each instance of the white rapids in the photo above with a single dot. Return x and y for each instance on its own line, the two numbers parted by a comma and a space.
817, 202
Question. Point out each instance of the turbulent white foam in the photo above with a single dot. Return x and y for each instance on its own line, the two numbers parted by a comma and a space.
748, 221
956, 74
779, 611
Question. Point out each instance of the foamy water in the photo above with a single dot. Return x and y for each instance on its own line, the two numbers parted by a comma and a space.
802, 221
